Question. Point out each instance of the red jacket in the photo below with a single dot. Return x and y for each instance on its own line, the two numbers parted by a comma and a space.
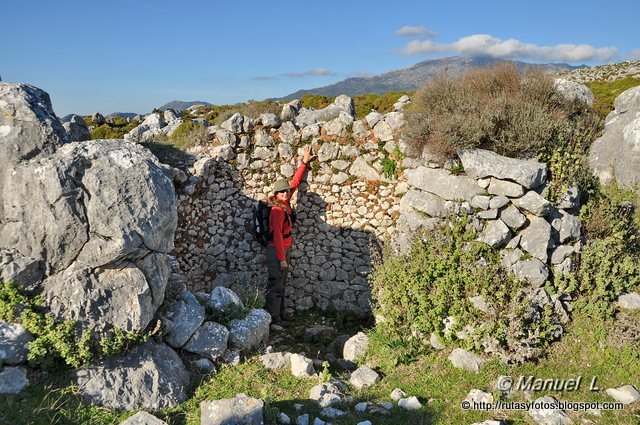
281, 227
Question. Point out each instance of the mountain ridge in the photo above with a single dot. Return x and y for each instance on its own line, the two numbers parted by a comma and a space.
412, 77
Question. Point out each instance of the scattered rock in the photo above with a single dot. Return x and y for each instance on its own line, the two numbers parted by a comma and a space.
14, 340
143, 418
13, 380
240, 410
546, 412
478, 396
629, 301
301, 367
626, 394
332, 412
150, 376
250, 332
463, 359
363, 376
274, 361
303, 419
326, 394
356, 347
397, 394
410, 403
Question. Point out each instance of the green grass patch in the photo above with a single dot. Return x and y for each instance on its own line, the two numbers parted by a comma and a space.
605, 92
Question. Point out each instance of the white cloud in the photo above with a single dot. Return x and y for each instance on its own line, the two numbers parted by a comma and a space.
314, 72
484, 44
410, 31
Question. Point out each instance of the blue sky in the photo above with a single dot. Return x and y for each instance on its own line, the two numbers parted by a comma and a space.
132, 56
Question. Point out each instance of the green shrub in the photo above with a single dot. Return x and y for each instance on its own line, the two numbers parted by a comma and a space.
512, 112
58, 340
610, 262
382, 103
415, 292
316, 101
117, 131
189, 134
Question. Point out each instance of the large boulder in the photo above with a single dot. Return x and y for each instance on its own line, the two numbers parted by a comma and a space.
480, 163
441, 183
100, 216
574, 91
250, 332
616, 154
151, 376
28, 125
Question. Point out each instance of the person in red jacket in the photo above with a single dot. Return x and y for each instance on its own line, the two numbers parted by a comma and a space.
281, 220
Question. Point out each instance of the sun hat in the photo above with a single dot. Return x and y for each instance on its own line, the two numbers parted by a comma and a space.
281, 185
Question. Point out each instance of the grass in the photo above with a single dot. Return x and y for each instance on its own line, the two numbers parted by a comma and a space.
605, 92
610, 351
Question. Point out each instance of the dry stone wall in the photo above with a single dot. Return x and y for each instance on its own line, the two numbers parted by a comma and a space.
348, 211
346, 208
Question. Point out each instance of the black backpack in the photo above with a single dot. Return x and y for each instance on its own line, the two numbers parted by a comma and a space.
261, 222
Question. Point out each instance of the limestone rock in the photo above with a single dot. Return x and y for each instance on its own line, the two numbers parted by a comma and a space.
356, 347
362, 170
410, 403
425, 202
13, 380
441, 183
150, 376
274, 361
224, 300
629, 301
463, 359
209, 340
536, 238
574, 91
480, 163
548, 413
250, 332
15, 267
77, 129
496, 234
533, 271
240, 410
534, 203
14, 340
397, 394
505, 188
626, 394
301, 367
143, 418
307, 116
383, 131
28, 125
182, 319
364, 376
325, 394
616, 151
234, 123
268, 120
513, 218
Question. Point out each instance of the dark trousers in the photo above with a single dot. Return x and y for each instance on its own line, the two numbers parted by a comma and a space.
275, 285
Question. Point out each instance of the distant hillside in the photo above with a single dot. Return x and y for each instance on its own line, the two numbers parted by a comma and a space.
179, 105
411, 78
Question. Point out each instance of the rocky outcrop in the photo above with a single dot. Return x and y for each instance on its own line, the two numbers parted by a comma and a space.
150, 376
77, 129
616, 154
574, 91
97, 217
